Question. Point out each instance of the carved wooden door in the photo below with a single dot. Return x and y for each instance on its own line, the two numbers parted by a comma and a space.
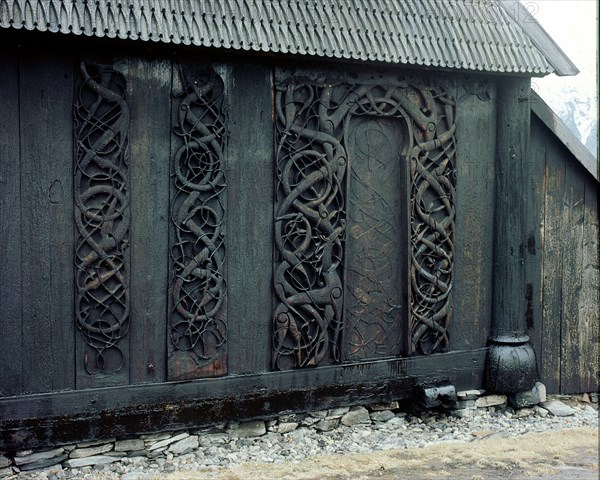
364, 218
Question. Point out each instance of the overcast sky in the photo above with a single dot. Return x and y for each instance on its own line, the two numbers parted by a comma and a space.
573, 26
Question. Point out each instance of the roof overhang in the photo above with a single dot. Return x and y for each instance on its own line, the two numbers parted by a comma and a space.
563, 66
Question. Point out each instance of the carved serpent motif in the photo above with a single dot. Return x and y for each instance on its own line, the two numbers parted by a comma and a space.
102, 216
309, 229
197, 322
433, 178
310, 223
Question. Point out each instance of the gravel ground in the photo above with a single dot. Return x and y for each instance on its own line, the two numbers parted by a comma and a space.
376, 446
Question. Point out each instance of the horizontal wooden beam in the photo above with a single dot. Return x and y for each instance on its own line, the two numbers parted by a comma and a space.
35, 421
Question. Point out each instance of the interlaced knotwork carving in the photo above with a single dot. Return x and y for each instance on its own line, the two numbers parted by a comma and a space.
102, 216
197, 323
309, 228
313, 129
433, 179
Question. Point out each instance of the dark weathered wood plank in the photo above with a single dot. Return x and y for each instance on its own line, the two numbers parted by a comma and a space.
149, 93
472, 293
508, 370
10, 224
534, 251
104, 367
589, 309
198, 304
46, 86
376, 304
552, 294
572, 257
68, 417
510, 236
250, 218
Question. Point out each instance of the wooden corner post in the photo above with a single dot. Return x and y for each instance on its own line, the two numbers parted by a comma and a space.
511, 364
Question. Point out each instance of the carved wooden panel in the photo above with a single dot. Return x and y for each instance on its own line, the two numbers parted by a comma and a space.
197, 323
376, 297
101, 196
433, 180
363, 265
310, 223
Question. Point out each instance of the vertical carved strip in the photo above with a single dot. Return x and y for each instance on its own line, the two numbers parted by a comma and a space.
309, 229
198, 331
432, 220
376, 279
102, 216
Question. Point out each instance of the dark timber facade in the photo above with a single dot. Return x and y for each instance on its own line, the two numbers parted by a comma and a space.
194, 234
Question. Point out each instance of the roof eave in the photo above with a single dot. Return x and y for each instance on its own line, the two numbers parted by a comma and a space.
562, 64
543, 111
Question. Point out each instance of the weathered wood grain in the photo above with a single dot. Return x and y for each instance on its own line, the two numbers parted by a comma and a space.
534, 264
149, 93
250, 171
46, 82
572, 332
510, 233
376, 303
476, 144
11, 354
589, 308
42, 420
553, 229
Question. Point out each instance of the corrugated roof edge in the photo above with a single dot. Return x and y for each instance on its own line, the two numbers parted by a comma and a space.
543, 111
562, 64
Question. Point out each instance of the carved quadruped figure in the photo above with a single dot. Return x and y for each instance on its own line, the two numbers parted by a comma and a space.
315, 321
197, 322
102, 216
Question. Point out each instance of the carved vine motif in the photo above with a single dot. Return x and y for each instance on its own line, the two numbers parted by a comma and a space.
310, 224
197, 323
433, 178
102, 216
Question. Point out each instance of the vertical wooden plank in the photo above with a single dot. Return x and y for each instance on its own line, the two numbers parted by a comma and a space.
376, 308
572, 245
476, 144
590, 286
534, 249
250, 242
198, 333
102, 211
149, 93
46, 87
552, 267
10, 224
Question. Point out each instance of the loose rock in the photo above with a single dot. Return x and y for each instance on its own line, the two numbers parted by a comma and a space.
490, 401
184, 446
356, 416
558, 408
38, 456
91, 451
254, 428
382, 416
131, 445
89, 461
